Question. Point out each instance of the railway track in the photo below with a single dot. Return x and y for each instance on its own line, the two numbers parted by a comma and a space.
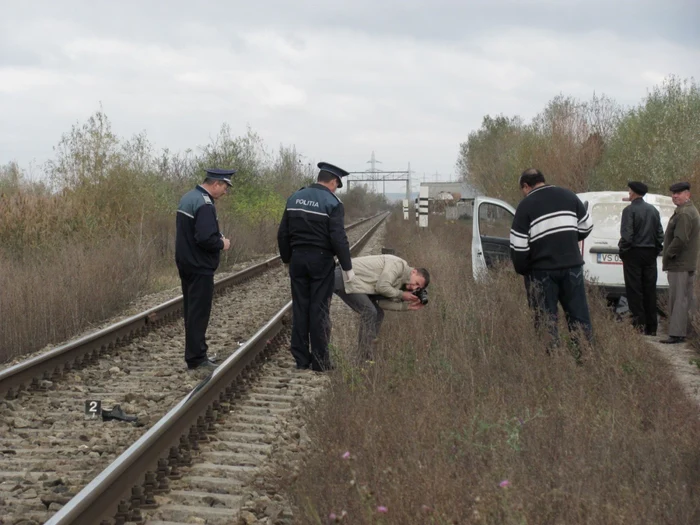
49, 450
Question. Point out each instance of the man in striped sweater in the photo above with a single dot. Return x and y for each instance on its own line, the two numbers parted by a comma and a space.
544, 247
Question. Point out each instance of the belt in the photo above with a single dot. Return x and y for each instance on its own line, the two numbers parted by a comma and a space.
309, 248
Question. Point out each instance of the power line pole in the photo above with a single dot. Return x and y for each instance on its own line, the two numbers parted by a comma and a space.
373, 170
408, 183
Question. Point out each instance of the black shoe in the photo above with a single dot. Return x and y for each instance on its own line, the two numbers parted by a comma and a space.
652, 334
204, 365
672, 340
117, 414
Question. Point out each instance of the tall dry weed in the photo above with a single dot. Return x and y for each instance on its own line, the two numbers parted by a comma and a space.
48, 299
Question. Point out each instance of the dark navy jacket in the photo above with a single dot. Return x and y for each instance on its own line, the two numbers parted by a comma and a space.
314, 216
198, 243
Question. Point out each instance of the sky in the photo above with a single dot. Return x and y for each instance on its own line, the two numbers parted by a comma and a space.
407, 79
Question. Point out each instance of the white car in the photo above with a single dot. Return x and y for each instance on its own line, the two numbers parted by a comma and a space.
603, 267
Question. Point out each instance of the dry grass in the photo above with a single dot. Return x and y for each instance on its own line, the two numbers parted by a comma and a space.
463, 399
48, 299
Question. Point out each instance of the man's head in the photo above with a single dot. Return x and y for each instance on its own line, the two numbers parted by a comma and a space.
530, 179
680, 193
217, 181
330, 176
637, 190
419, 279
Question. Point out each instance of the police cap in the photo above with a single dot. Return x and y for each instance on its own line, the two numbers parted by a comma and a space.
219, 174
638, 187
333, 170
679, 187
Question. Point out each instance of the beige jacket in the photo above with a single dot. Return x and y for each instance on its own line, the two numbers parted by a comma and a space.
380, 275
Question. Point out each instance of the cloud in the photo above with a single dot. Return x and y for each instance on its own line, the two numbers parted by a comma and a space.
406, 79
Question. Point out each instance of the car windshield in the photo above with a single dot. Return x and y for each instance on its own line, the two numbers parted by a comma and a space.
607, 215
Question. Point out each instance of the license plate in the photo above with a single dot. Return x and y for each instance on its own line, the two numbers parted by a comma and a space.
609, 258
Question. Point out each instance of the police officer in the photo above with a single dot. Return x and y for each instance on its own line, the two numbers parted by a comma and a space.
197, 248
311, 232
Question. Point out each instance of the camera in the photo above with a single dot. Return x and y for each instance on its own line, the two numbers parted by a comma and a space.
422, 294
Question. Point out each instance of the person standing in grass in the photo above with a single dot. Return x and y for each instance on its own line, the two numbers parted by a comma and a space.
679, 259
641, 242
548, 225
198, 245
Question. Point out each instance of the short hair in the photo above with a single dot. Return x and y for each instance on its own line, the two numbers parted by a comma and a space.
210, 180
425, 275
325, 176
531, 177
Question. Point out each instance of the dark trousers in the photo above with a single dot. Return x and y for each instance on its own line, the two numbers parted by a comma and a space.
639, 267
198, 294
547, 288
371, 315
311, 275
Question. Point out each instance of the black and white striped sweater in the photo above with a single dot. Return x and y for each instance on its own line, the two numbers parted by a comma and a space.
548, 225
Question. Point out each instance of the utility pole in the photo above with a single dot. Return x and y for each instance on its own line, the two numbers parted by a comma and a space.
374, 175
408, 183
373, 170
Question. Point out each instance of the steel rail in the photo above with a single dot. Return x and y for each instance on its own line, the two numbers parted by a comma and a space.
129, 483
87, 349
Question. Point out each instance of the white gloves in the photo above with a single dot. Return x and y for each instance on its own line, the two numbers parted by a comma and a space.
348, 276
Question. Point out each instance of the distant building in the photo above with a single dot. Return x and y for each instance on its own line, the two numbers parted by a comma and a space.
441, 198
465, 190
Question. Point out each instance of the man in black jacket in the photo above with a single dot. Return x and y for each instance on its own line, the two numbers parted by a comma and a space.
198, 244
641, 242
544, 246
311, 232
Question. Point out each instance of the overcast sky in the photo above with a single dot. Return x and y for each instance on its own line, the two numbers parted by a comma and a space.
408, 79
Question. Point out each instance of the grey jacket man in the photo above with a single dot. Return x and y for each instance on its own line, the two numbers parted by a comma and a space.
682, 240
679, 259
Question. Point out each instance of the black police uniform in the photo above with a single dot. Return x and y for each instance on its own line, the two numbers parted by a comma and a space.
311, 232
198, 245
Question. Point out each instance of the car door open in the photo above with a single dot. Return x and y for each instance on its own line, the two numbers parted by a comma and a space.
493, 219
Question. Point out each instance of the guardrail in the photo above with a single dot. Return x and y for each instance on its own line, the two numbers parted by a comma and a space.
87, 349
143, 469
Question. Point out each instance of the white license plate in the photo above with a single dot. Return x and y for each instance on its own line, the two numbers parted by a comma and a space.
609, 258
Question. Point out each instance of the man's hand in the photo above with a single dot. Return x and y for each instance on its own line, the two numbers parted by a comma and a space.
409, 297
227, 244
415, 306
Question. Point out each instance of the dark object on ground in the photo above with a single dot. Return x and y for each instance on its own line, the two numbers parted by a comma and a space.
117, 414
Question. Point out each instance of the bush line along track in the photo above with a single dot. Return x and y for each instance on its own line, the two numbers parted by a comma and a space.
155, 456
